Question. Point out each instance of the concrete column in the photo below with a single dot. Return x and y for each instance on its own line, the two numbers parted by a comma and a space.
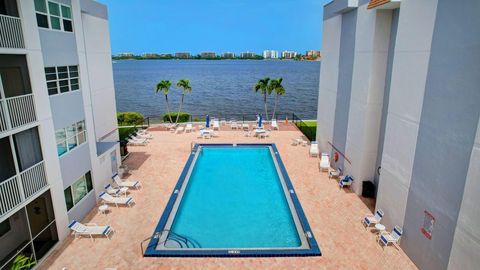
368, 84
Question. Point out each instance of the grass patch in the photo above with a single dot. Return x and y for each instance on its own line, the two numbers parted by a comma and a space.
308, 128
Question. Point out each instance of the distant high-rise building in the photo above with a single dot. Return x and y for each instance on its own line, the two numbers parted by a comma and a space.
150, 55
270, 54
182, 55
208, 55
125, 54
289, 54
228, 55
247, 54
313, 53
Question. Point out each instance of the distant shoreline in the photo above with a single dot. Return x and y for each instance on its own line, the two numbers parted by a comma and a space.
213, 59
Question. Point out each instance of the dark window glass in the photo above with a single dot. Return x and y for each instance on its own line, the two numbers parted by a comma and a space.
50, 70
51, 77
4, 227
62, 69
88, 177
42, 20
7, 167
52, 88
27, 148
63, 86
54, 8
40, 6
73, 74
68, 198
45, 241
67, 26
62, 75
73, 68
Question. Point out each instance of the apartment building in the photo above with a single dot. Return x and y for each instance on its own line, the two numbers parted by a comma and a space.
228, 55
289, 54
182, 55
58, 135
247, 54
399, 101
270, 54
208, 55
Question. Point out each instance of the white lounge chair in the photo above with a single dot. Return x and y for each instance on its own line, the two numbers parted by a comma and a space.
234, 125
107, 198
143, 135
128, 184
189, 128
274, 124
324, 162
216, 125
246, 127
136, 142
369, 220
179, 129
393, 237
346, 181
89, 229
263, 135
116, 191
143, 132
314, 149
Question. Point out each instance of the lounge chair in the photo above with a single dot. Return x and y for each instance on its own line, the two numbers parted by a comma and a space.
128, 184
346, 181
116, 191
393, 237
324, 164
263, 135
189, 128
314, 149
216, 125
143, 132
133, 141
89, 229
179, 129
107, 198
369, 220
246, 127
332, 173
234, 125
274, 124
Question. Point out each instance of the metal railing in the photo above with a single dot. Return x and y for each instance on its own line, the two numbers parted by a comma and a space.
308, 131
16, 112
20, 187
11, 34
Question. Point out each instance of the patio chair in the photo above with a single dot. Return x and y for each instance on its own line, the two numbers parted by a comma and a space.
216, 125
107, 198
274, 124
189, 128
116, 191
137, 142
129, 184
89, 229
324, 162
314, 149
369, 220
392, 237
332, 173
179, 129
346, 181
234, 125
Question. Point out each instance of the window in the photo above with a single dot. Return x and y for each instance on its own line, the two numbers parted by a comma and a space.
61, 79
53, 15
78, 190
5, 227
70, 137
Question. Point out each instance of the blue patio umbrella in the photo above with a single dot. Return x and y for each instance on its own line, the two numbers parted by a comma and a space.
259, 120
207, 124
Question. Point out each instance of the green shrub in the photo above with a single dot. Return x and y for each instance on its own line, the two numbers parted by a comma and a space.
129, 118
184, 117
123, 133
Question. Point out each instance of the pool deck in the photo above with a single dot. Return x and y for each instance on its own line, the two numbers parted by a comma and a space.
334, 214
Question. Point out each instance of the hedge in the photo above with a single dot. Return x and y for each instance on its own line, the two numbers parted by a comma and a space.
184, 117
129, 118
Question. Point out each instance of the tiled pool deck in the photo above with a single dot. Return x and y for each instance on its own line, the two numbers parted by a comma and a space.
333, 214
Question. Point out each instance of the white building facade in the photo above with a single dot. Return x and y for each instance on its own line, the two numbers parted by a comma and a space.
399, 98
58, 131
270, 54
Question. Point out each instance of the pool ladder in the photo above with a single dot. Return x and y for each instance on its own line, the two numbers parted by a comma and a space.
182, 241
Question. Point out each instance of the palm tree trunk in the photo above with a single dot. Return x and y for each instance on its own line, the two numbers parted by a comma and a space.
275, 107
265, 102
168, 109
179, 109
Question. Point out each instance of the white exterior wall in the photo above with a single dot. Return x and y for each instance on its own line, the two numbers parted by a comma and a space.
412, 49
327, 95
466, 242
368, 84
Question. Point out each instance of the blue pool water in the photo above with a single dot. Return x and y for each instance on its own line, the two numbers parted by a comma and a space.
234, 199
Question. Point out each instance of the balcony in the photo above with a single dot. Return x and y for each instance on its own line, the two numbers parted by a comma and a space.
11, 35
16, 112
21, 187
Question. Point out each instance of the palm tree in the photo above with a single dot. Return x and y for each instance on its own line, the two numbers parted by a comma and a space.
185, 85
262, 86
164, 86
277, 87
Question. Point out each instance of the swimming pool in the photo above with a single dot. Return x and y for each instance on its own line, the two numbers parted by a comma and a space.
233, 200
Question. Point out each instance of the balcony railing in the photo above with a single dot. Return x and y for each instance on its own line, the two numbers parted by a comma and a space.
18, 188
11, 35
16, 112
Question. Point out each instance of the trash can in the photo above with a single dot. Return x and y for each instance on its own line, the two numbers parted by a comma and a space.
368, 189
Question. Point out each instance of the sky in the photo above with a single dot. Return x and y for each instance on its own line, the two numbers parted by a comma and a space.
169, 26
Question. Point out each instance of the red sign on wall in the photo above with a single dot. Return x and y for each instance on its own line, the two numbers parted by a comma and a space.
428, 223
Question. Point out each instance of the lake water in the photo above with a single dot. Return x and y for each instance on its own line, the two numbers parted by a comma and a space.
219, 87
